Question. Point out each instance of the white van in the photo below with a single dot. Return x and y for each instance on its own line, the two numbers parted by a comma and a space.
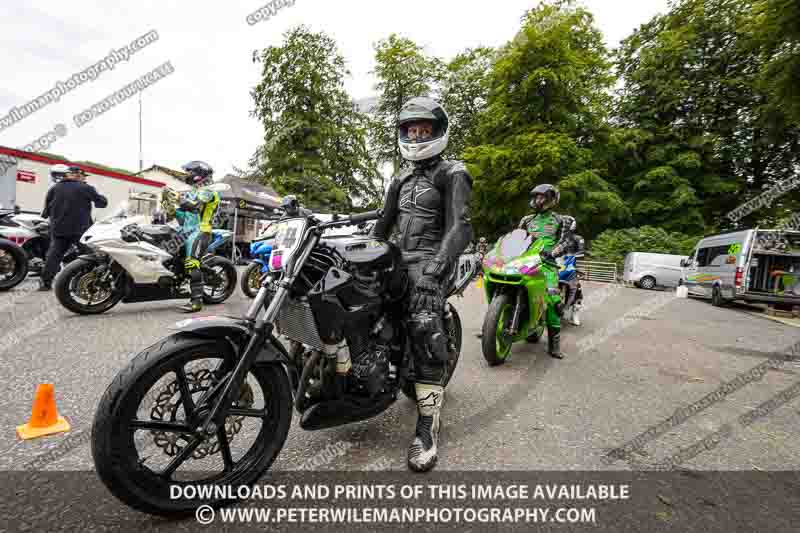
648, 270
750, 265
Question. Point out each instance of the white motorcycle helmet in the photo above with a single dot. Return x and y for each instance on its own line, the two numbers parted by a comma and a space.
58, 173
414, 148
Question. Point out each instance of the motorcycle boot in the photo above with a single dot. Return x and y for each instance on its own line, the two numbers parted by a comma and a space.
554, 342
423, 451
195, 303
575, 319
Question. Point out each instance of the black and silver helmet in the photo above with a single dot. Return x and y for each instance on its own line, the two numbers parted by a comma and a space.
290, 205
551, 198
423, 109
200, 173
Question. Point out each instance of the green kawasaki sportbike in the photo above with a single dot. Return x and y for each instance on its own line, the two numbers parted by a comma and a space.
514, 281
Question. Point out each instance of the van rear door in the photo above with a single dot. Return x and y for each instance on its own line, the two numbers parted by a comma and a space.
672, 270
774, 267
627, 269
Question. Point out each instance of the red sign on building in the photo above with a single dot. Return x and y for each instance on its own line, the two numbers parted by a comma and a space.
26, 176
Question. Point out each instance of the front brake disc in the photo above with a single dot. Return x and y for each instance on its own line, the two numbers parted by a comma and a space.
167, 404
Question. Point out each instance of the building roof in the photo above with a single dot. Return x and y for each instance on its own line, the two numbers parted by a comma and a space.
88, 166
178, 174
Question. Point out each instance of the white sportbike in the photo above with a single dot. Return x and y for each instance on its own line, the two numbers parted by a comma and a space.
132, 261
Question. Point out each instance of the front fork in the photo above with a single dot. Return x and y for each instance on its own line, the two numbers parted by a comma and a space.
514, 329
261, 331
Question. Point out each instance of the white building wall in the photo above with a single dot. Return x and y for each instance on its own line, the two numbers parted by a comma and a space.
30, 196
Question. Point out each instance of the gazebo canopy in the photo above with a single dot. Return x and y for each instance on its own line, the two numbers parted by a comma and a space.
248, 198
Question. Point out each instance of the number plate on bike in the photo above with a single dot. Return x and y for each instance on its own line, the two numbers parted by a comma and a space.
287, 241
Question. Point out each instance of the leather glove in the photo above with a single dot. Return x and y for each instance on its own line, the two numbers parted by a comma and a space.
427, 295
547, 257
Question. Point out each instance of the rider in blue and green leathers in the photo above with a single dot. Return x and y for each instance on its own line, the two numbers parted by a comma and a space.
557, 230
195, 212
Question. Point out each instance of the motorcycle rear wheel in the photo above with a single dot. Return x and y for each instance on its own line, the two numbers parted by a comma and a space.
114, 447
216, 294
14, 257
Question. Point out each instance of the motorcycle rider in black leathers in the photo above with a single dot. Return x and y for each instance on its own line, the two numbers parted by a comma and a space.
427, 206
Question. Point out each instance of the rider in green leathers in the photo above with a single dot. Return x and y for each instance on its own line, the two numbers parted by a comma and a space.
557, 230
195, 211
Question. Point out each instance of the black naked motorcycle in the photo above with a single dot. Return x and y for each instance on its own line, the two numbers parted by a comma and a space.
212, 403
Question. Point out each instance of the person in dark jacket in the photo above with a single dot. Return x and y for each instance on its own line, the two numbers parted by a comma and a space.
69, 207
427, 209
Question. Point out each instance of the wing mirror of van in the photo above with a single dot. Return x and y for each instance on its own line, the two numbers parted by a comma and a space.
684, 263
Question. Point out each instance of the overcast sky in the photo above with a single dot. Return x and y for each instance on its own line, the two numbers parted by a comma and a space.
201, 111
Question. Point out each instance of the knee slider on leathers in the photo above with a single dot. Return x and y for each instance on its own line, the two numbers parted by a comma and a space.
428, 336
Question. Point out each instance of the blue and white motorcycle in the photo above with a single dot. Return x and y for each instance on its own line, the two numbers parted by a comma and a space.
219, 241
260, 251
571, 293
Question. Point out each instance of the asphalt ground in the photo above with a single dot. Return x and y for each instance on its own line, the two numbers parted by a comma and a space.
636, 360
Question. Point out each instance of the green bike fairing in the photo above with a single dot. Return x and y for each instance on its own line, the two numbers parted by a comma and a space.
525, 270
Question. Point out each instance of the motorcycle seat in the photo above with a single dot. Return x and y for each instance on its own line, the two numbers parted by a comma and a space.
158, 234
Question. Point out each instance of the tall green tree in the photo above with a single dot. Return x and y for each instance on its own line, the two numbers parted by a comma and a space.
698, 141
314, 136
546, 122
463, 91
403, 71
775, 30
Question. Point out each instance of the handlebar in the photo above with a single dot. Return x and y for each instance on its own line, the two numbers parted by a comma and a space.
358, 218
354, 219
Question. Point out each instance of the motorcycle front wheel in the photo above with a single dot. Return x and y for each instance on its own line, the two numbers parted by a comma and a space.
251, 280
79, 287
146, 439
496, 343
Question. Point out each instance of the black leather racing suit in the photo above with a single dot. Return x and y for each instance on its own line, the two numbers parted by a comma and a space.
426, 213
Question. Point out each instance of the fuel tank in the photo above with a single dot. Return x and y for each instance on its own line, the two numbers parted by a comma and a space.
363, 275
365, 253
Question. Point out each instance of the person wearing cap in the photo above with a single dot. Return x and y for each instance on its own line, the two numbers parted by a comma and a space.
68, 205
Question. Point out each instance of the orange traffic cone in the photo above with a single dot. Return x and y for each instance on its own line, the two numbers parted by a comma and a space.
44, 417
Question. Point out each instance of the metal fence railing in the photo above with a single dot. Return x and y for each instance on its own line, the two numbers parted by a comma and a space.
598, 271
